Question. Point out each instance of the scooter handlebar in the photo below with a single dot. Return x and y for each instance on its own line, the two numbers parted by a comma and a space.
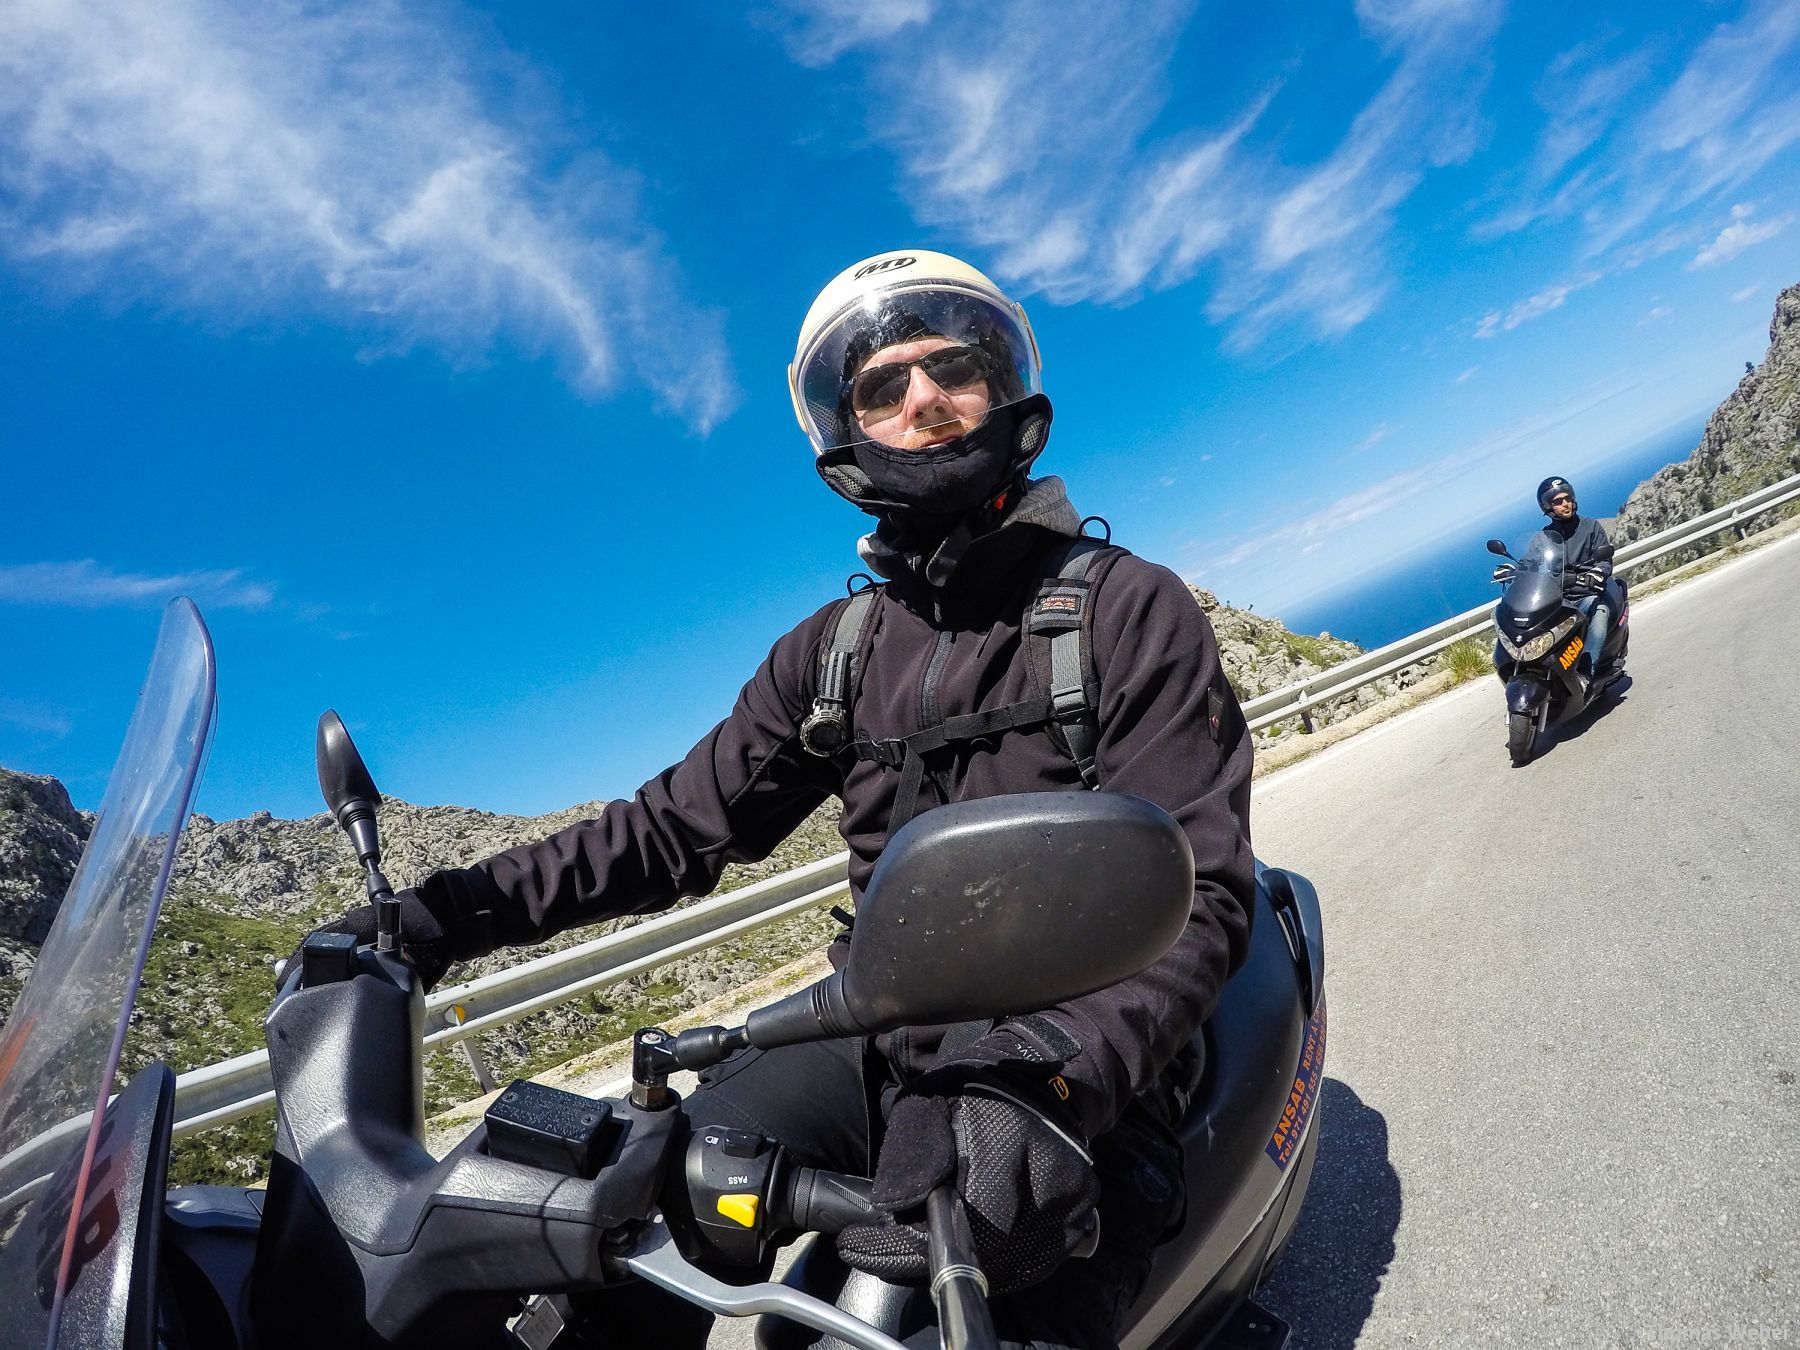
817, 1201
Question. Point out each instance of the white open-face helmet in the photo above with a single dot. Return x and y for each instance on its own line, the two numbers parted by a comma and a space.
901, 297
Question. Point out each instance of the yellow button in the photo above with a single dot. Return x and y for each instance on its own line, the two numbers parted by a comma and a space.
739, 1209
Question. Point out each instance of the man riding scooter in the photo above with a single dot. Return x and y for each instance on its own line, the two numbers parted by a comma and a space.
1583, 538
1005, 652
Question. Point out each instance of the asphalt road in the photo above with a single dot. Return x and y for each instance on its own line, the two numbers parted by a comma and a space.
1563, 1096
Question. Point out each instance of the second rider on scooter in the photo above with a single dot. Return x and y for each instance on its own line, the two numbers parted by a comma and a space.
1005, 652
1583, 538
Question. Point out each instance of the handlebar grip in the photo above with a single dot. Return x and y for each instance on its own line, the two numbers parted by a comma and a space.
818, 1201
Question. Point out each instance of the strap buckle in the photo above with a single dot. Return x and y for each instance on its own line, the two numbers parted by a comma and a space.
891, 752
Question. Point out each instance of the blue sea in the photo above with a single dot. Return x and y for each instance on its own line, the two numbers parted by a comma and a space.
1454, 576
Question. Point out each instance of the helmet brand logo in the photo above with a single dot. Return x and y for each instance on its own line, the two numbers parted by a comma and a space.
886, 264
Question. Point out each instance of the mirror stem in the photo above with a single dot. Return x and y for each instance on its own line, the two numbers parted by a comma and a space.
702, 1047
357, 819
817, 1012
387, 910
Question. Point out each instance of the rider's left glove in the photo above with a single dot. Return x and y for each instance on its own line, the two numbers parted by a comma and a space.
424, 936
994, 1121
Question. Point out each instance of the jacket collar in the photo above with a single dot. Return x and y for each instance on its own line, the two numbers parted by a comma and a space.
972, 563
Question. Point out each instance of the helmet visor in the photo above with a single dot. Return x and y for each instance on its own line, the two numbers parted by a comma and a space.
912, 368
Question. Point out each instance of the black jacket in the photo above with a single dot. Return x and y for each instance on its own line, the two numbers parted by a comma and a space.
748, 783
1582, 537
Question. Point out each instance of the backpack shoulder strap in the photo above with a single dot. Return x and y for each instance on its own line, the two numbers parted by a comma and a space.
827, 729
1061, 617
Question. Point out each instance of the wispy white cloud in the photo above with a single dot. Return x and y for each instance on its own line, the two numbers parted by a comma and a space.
1621, 165
1532, 307
1311, 531
90, 585
1741, 234
1458, 482
335, 158
1655, 314
838, 25
1731, 108
1373, 439
1467, 375
34, 718
1059, 152
1584, 93
1748, 293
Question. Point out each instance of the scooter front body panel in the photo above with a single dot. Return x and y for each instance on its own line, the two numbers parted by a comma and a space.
1249, 1139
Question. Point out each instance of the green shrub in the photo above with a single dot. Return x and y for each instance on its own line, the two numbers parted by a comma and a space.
1468, 659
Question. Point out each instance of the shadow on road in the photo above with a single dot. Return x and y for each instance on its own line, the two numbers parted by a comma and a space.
1574, 728
1325, 1285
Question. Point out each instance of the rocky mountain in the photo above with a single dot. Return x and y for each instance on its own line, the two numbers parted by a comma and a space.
1752, 439
41, 836
244, 891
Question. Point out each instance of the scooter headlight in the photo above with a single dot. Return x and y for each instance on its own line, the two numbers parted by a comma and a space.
1536, 647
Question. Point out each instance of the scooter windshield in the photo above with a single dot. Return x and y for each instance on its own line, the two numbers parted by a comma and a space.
1542, 552
1536, 592
59, 1051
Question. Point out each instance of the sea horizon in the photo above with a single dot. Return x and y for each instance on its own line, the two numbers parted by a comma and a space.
1454, 574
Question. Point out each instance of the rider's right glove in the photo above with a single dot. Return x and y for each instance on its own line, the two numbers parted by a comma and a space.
424, 936
991, 1121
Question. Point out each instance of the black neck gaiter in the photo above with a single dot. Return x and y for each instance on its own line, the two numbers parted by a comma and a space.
925, 492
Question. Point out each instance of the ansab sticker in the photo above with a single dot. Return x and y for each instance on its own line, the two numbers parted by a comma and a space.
1303, 1095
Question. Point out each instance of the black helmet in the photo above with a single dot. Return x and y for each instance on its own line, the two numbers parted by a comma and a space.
1553, 487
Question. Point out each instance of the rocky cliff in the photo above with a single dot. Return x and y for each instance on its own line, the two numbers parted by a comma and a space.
1752, 439
243, 892
41, 836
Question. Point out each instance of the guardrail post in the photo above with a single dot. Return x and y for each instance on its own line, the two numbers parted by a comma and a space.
1743, 531
455, 1016
1306, 722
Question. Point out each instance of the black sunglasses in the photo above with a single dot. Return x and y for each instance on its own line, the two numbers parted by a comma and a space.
1560, 498
877, 393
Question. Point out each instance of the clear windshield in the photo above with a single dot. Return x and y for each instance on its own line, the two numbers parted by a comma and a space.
60, 1048
1542, 552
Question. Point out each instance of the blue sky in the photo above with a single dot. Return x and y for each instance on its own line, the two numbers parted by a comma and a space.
437, 351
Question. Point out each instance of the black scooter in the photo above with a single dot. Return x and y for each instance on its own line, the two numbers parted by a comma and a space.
1541, 630
363, 1238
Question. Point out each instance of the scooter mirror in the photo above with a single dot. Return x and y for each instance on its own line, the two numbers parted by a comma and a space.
1495, 546
344, 780
997, 906
1605, 553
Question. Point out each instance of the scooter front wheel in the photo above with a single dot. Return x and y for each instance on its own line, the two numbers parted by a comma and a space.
1521, 737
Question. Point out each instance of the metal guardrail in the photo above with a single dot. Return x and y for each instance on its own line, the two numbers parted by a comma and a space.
234, 1088
220, 1093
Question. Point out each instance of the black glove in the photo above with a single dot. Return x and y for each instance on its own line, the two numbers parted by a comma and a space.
423, 936
992, 1121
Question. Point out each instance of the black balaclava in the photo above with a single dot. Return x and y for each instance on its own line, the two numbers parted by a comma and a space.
923, 495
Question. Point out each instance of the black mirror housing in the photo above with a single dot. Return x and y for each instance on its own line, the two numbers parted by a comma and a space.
1605, 553
348, 788
1496, 547
1000, 906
